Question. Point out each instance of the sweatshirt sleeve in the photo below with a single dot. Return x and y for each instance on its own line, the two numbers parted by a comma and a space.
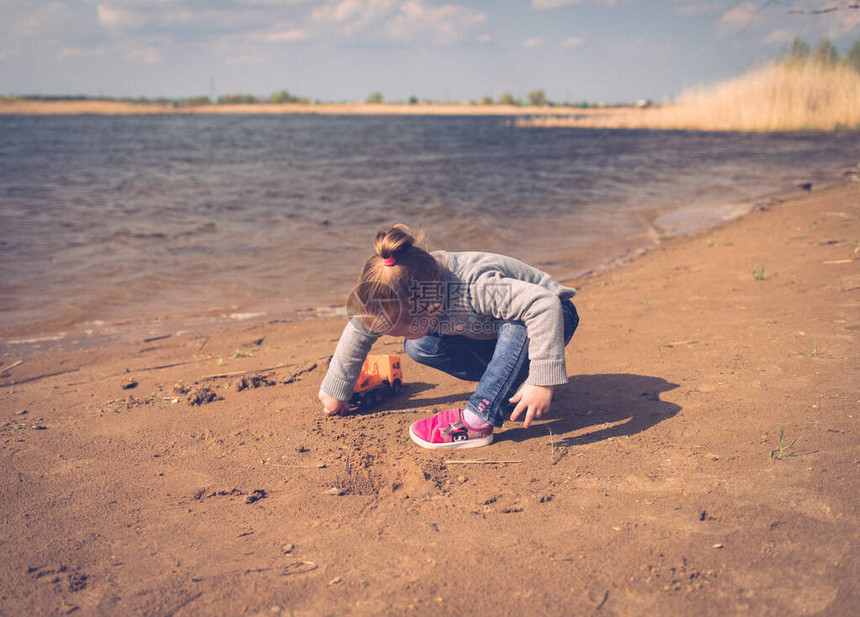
345, 366
539, 309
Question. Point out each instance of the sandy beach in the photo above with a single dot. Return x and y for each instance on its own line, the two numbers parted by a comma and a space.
193, 474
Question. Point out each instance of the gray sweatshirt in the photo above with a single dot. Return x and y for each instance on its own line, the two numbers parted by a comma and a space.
479, 289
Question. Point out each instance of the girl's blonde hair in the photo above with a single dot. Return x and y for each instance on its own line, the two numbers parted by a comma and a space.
399, 269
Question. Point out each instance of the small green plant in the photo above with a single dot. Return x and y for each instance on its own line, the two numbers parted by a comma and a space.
239, 353
759, 273
711, 242
814, 353
781, 452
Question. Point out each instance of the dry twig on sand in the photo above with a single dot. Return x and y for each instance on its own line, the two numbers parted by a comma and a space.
10, 367
478, 461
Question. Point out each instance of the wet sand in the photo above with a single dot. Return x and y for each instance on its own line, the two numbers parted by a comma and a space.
194, 474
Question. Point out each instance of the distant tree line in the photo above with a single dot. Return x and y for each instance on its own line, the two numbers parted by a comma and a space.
824, 53
536, 98
282, 97
278, 98
533, 99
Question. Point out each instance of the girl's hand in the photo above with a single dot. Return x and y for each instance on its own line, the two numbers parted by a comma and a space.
534, 400
332, 405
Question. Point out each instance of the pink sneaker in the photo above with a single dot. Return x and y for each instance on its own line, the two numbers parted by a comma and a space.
448, 429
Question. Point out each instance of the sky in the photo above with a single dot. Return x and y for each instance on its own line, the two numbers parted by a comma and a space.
607, 51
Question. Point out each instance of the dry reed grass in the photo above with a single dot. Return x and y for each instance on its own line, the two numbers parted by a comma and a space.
778, 97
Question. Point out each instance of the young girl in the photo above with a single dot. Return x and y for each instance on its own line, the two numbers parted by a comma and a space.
477, 316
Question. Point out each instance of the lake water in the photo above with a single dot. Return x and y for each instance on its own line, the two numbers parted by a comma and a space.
167, 221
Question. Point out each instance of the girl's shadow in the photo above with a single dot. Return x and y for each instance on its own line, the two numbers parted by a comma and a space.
408, 400
620, 404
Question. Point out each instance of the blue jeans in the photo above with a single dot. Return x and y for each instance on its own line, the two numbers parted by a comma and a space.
500, 365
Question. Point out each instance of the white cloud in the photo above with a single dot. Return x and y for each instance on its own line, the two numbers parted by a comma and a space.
149, 18
52, 27
549, 5
147, 55
40, 16
352, 14
70, 52
181, 18
691, 8
238, 60
445, 24
77, 52
738, 17
533, 41
337, 13
399, 20
780, 36
484, 38
573, 41
111, 17
286, 36
52, 22
270, 3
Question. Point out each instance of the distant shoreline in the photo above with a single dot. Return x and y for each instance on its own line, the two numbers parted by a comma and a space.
660, 118
121, 108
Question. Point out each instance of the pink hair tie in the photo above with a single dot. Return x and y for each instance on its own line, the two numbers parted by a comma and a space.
388, 261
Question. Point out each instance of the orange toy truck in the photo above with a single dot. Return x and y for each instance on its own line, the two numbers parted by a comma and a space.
380, 377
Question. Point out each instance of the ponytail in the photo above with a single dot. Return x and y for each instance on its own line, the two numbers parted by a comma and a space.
399, 268
392, 240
